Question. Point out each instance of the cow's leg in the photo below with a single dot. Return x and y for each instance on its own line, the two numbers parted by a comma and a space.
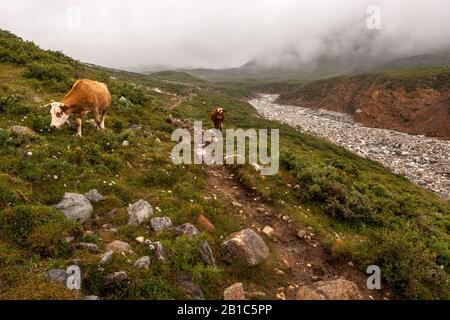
98, 120
79, 122
102, 120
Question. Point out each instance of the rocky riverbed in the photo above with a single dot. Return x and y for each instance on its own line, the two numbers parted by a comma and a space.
425, 161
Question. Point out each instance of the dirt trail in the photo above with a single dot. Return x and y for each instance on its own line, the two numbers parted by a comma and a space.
304, 261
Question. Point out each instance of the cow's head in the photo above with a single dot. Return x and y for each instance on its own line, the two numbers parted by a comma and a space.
220, 113
59, 115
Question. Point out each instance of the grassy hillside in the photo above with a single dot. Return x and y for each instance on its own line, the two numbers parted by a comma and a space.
382, 218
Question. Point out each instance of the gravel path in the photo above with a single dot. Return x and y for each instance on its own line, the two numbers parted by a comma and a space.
425, 161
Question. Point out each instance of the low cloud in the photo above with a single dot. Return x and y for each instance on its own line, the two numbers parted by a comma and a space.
223, 33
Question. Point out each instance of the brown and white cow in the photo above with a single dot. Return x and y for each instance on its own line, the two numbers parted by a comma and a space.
218, 117
85, 96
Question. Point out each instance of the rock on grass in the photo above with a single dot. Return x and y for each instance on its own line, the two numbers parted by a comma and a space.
75, 207
339, 289
139, 212
246, 247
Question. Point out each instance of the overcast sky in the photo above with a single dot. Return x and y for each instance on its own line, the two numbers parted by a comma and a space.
222, 33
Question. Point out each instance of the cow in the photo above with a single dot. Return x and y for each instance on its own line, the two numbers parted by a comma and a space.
85, 96
218, 117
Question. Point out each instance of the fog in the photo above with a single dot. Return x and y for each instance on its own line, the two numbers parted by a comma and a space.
226, 33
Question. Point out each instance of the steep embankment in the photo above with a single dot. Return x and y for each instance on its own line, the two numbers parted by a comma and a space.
411, 101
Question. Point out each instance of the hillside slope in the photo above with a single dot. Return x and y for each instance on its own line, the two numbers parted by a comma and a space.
415, 101
343, 207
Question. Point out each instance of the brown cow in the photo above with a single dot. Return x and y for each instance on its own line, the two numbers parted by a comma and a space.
218, 117
85, 96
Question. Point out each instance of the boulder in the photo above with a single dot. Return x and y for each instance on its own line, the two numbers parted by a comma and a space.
190, 288
106, 258
59, 276
339, 289
21, 131
161, 223
143, 263
246, 247
234, 292
118, 246
206, 254
94, 195
188, 230
75, 207
139, 212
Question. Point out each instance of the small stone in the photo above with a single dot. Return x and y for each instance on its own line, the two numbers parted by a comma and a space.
190, 288
94, 195
268, 231
21, 130
106, 258
140, 239
234, 292
281, 295
188, 230
158, 248
143, 263
115, 278
91, 247
206, 254
161, 223
125, 143
91, 298
139, 212
279, 272
118, 246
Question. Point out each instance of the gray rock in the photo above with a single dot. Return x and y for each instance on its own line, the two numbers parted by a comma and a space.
139, 212
206, 254
118, 246
115, 278
157, 247
59, 276
134, 127
94, 195
91, 298
143, 263
91, 247
190, 288
188, 230
339, 289
161, 223
75, 207
245, 246
234, 292
106, 258
21, 131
